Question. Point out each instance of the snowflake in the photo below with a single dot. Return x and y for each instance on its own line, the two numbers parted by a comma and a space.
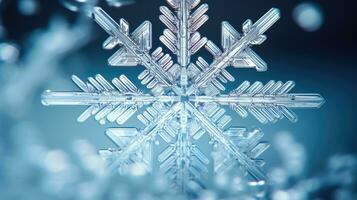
185, 100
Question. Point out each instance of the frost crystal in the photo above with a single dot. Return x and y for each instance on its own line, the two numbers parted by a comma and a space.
185, 101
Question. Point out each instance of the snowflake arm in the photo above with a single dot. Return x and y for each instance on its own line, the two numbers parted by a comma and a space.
267, 103
121, 137
181, 35
115, 102
217, 134
140, 137
253, 35
135, 49
187, 40
183, 161
246, 141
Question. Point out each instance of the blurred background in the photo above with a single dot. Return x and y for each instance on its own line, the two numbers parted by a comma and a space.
42, 43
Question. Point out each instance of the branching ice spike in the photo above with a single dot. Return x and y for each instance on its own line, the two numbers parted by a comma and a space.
248, 58
144, 136
115, 102
247, 142
135, 48
183, 161
252, 167
252, 35
182, 37
267, 103
140, 158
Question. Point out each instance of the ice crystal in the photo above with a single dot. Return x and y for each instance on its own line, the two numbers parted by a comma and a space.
186, 99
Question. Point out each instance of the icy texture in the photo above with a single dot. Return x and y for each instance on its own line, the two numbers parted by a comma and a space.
185, 100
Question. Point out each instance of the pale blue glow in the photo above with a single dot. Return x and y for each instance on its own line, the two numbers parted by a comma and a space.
28, 7
308, 16
79, 5
86, 6
9, 52
119, 3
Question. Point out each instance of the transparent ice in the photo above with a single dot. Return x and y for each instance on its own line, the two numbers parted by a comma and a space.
186, 99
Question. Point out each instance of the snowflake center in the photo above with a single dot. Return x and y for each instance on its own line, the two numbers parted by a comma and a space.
185, 98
